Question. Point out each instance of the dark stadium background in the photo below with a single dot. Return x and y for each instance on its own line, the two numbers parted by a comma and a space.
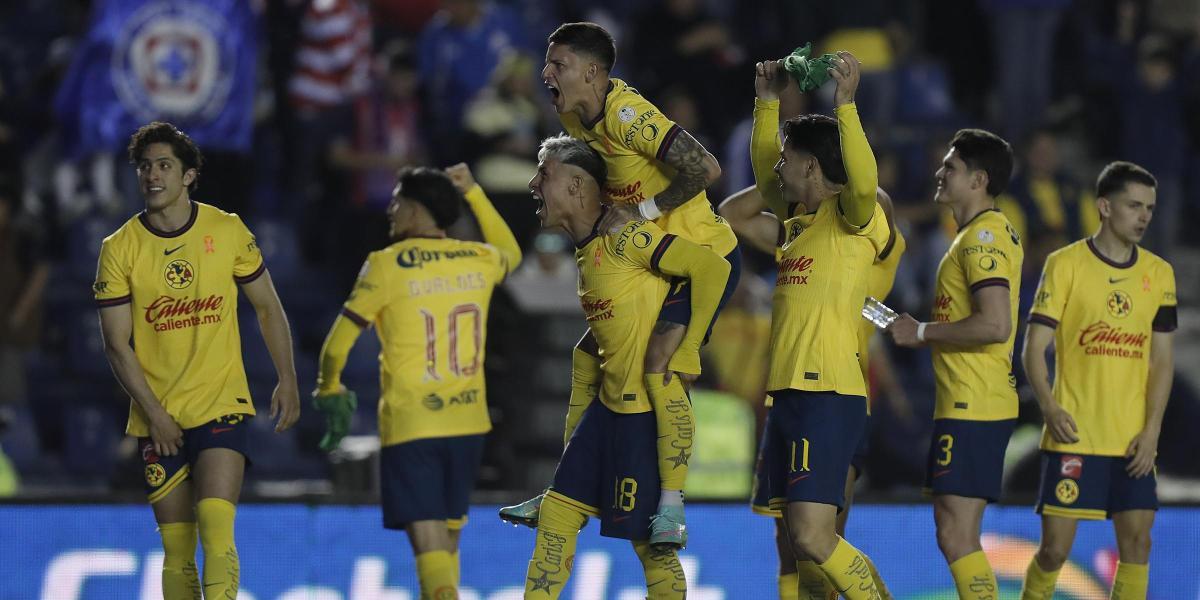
302, 129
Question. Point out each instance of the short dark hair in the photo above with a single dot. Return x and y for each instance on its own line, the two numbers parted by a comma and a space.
1116, 175
818, 135
161, 132
587, 38
985, 151
575, 152
433, 190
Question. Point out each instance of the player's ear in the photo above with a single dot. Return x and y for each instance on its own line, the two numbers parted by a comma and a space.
979, 179
576, 185
188, 177
592, 70
1104, 207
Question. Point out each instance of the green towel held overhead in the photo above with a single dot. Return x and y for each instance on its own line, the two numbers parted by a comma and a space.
809, 73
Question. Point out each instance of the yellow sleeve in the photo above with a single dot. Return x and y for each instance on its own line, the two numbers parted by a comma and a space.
648, 246
334, 351
495, 231
641, 127
248, 262
985, 260
764, 153
857, 200
111, 287
370, 293
1050, 299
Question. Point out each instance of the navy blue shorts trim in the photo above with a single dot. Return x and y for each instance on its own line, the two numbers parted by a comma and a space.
812, 440
1087, 486
609, 469
966, 458
760, 493
677, 307
162, 474
429, 479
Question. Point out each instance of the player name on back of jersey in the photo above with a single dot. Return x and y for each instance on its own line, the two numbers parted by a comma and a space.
166, 313
447, 285
1102, 339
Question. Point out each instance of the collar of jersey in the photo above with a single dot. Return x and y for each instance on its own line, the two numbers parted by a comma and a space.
595, 230
977, 215
603, 107
170, 234
1110, 262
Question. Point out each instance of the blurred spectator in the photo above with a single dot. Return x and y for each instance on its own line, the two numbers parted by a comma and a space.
505, 123
457, 52
1023, 41
1054, 208
679, 44
24, 272
549, 282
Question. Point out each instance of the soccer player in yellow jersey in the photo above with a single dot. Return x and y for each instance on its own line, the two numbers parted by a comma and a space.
1108, 308
657, 172
428, 296
821, 183
608, 469
166, 288
744, 211
978, 282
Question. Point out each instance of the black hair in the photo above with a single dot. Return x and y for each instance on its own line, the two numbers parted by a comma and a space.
818, 135
1116, 175
433, 190
985, 151
587, 38
161, 132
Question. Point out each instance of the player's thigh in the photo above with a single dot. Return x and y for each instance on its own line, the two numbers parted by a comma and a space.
218, 473
848, 492
1132, 529
958, 516
1058, 535
176, 506
428, 536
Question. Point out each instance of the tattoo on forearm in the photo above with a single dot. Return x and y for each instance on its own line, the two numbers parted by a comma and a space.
686, 156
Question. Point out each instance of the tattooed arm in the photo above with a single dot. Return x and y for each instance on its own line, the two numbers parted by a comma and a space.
695, 169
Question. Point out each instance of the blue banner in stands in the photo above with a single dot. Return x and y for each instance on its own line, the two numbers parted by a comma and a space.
190, 62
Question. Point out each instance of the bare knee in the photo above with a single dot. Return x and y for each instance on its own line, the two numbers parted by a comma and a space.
955, 540
1051, 557
1134, 547
812, 543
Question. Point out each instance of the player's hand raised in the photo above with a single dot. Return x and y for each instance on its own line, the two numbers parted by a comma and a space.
1060, 424
845, 72
617, 216
1141, 453
165, 434
285, 404
770, 79
904, 331
460, 175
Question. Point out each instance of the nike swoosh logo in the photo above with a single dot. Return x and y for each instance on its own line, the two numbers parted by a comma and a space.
1111, 280
221, 429
795, 479
940, 473
619, 519
168, 252
670, 302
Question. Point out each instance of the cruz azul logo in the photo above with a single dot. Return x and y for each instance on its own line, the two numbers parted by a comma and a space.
166, 313
795, 270
1102, 339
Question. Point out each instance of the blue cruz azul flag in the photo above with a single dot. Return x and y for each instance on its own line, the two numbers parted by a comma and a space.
190, 62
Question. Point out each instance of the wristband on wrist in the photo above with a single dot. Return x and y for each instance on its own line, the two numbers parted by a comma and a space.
649, 209
921, 331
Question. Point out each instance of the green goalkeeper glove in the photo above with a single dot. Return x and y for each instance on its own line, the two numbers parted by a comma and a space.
809, 73
338, 409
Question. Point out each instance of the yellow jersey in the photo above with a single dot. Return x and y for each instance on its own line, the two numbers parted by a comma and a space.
428, 299
1103, 315
181, 288
622, 288
977, 384
633, 136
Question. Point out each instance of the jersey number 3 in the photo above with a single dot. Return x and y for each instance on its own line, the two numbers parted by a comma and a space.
458, 368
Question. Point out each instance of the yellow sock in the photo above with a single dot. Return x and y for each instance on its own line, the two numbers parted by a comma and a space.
222, 569
585, 384
664, 574
973, 577
789, 586
180, 581
884, 593
435, 574
811, 582
1131, 582
847, 570
1038, 584
554, 549
676, 429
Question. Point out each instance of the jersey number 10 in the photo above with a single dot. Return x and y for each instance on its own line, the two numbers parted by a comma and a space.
457, 367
